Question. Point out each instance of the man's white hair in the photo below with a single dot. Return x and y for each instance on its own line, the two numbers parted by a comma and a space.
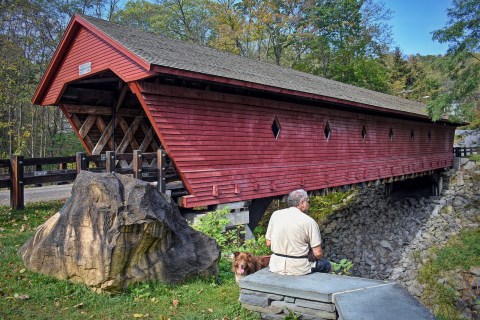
296, 197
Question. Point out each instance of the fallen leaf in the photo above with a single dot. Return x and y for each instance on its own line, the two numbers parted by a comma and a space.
57, 304
2, 229
78, 306
22, 271
153, 299
21, 296
200, 291
25, 217
175, 303
22, 229
210, 310
140, 315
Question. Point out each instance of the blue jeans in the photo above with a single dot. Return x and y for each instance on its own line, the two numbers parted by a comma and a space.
322, 266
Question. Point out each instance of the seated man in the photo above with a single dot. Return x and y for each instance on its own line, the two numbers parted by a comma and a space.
290, 235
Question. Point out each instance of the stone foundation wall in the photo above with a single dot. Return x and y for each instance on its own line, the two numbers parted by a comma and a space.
275, 306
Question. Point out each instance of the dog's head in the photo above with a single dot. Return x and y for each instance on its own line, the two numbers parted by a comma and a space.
243, 263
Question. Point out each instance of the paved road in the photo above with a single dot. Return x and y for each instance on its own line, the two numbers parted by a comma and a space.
35, 194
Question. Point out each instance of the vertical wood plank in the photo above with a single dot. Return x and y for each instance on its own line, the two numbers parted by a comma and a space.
16, 189
110, 162
161, 167
137, 164
81, 161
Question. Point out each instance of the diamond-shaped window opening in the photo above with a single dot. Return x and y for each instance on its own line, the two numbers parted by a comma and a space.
327, 131
364, 134
276, 128
429, 136
412, 135
390, 134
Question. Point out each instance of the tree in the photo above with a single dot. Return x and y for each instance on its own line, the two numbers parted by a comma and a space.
460, 99
348, 39
187, 20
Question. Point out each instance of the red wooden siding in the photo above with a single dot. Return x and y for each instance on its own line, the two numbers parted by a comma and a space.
224, 144
89, 47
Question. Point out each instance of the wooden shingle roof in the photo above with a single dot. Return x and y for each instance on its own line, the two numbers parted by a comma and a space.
162, 51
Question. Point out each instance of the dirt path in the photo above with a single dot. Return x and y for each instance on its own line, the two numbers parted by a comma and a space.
35, 194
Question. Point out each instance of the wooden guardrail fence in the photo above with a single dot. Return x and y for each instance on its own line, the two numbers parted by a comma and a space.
465, 151
23, 172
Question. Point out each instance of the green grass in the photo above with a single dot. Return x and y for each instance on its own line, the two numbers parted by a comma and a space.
475, 157
27, 295
461, 252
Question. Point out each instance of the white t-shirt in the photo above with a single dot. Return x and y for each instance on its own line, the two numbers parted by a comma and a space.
291, 232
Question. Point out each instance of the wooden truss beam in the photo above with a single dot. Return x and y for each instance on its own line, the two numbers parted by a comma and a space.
101, 110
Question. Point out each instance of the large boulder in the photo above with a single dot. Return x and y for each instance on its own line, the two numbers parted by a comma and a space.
116, 230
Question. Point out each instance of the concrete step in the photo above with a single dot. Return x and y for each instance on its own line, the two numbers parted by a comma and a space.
328, 296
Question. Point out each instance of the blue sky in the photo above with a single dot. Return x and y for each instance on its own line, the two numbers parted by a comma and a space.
414, 20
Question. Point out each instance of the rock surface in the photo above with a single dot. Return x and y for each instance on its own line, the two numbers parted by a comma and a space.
388, 237
116, 230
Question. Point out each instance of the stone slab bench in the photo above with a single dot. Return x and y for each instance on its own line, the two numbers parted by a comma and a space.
328, 296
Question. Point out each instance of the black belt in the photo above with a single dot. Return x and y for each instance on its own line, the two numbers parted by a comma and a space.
293, 257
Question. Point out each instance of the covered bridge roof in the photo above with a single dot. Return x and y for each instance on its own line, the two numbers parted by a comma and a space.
161, 54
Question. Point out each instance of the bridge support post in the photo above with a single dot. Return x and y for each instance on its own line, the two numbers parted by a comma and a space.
256, 211
437, 184
388, 188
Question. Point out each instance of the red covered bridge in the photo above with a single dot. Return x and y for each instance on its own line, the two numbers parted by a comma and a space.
234, 129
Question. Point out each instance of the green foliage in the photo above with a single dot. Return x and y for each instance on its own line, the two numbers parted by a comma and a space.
214, 225
322, 206
291, 315
460, 100
342, 267
27, 295
257, 246
461, 252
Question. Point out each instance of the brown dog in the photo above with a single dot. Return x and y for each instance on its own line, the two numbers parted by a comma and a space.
244, 263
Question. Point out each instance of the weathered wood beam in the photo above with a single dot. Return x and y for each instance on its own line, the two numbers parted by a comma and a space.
87, 125
124, 126
98, 80
121, 97
129, 135
72, 93
106, 135
146, 130
147, 140
76, 122
101, 110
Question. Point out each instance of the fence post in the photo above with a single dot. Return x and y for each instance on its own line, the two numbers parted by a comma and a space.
38, 167
137, 164
81, 162
110, 162
458, 152
16, 181
161, 167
